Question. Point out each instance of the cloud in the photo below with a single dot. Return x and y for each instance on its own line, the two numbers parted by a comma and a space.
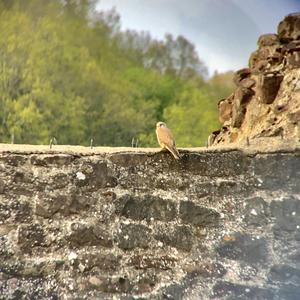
224, 32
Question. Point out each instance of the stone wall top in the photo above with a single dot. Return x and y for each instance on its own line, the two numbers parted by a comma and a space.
263, 145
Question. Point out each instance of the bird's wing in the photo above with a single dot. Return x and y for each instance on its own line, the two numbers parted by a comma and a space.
165, 136
174, 152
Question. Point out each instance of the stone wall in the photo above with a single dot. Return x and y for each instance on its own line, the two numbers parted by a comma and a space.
218, 224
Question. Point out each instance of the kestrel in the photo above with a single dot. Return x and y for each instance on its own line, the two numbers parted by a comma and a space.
165, 139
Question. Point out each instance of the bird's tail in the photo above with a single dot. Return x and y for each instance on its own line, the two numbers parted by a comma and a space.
174, 152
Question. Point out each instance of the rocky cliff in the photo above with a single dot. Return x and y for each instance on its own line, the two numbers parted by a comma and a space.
129, 224
266, 102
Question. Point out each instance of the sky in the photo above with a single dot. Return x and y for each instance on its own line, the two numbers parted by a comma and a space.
224, 32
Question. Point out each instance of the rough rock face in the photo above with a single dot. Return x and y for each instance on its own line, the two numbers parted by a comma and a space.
218, 224
266, 102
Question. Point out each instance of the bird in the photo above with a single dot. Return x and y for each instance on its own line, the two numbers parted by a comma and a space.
165, 139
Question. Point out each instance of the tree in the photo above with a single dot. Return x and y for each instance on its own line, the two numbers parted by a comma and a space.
192, 117
73, 74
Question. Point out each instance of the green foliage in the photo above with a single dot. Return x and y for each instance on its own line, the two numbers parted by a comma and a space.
70, 72
192, 116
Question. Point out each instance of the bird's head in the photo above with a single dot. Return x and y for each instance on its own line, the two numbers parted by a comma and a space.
160, 124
